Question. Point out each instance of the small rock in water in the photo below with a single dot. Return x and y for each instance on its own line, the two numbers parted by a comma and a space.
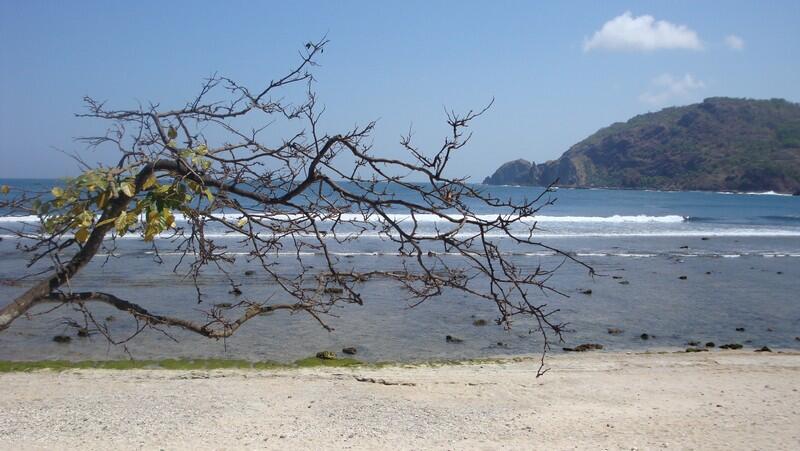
585, 347
710, 344
616, 277
235, 291
693, 343
740, 329
501, 344
249, 272
431, 254
350, 350
587, 292
708, 272
684, 247
62, 339
624, 282
644, 336
683, 277
614, 331
797, 338
326, 355
83, 332
480, 322
110, 318
769, 329
764, 349
705, 238
731, 346
452, 339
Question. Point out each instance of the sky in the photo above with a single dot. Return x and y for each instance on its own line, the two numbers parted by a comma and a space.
557, 71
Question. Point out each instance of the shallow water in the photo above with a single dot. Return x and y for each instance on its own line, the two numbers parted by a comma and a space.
746, 291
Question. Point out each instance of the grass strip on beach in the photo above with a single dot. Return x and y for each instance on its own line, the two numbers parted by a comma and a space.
11, 366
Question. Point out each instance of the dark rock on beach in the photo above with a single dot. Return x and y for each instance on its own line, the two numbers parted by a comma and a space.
326, 355
710, 344
452, 339
350, 350
764, 349
585, 347
644, 336
62, 339
731, 346
696, 350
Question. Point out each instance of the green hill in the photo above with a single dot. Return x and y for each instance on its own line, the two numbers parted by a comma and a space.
721, 144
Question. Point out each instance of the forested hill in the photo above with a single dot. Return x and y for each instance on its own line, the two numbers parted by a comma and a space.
721, 144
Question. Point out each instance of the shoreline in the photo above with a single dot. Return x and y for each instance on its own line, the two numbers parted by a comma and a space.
640, 188
707, 400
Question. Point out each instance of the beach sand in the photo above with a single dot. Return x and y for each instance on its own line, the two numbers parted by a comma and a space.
709, 400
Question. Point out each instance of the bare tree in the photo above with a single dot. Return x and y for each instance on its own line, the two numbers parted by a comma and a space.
305, 192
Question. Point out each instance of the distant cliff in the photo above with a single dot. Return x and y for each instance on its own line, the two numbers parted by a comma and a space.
721, 144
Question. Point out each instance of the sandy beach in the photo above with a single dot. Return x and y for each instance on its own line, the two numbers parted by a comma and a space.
710, 400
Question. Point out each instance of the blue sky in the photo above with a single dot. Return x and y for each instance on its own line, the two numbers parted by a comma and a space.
558, 71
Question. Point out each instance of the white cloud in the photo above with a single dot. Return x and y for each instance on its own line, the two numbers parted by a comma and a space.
666, 88
643, 33
734, 42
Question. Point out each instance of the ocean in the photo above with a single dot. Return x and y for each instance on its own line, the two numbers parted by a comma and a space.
678, 266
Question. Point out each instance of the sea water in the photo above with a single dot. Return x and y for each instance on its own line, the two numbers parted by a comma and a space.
677, 266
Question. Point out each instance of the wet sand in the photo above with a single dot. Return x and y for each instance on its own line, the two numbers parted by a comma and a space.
709, 400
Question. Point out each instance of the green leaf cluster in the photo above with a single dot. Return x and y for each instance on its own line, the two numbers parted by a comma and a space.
196, 156
76, 205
